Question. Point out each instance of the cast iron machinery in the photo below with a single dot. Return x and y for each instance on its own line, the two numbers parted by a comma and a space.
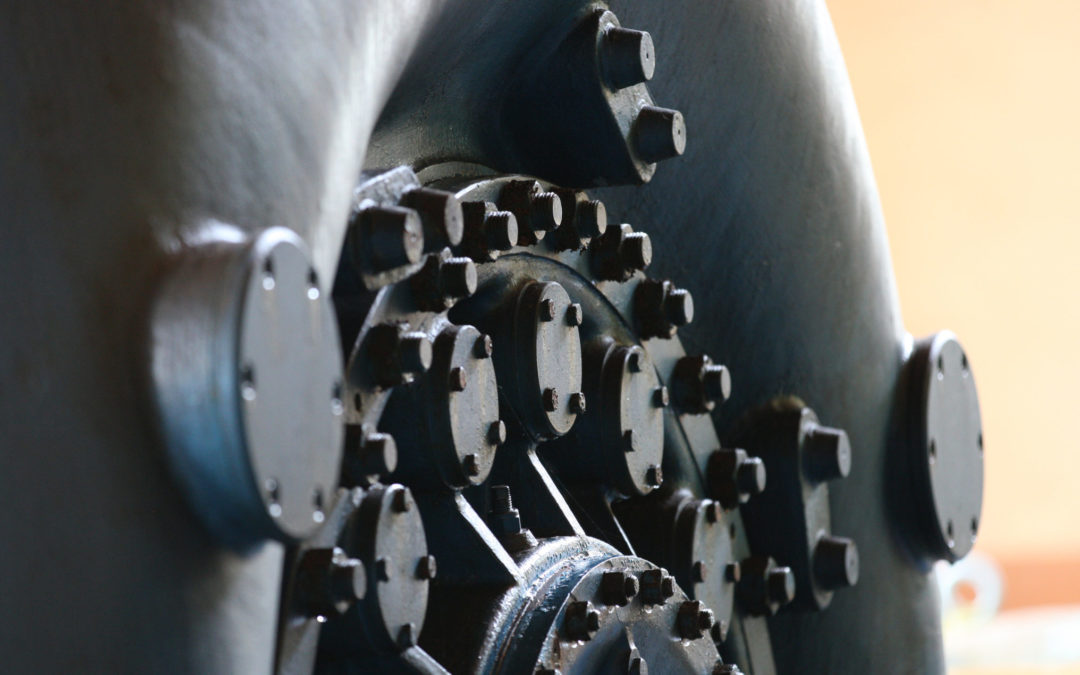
420, 337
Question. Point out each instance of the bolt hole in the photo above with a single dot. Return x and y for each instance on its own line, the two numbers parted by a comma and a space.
313, 285
950, 532
980, 443
268, 274
965, 369
357, 403
273, 495
974, 527
731, 531
247, 382
933, 451
336, 406
941, 367
317, 501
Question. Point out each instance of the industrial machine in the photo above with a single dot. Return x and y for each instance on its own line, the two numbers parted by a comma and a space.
426, 336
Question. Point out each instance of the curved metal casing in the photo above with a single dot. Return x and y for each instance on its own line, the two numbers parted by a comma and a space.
126, 129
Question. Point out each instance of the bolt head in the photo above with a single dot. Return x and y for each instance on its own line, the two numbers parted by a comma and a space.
458, 379
634, 360
827, 453
628, 57
732, 572
457, 277
700, 571
414, 353
506, 524
780, 585
592, 620
375, 454
441, 215
392, 236
581, 621
705, 619
484, 347
698, 384
654, 476
618, 587
574, 314
551, 400
400, 502
717, 383
426, 568
661, 397
726, 484
349, 581
590, 219
750, 477
329, 582
470, 464
497, 433
719, 631
657, 586
577, 403
635, 251
712, 511
407, 635
547, 309
500, 230
382, 569
679, 307
667, 587
659, 134
693, 620
836, 562
545, 211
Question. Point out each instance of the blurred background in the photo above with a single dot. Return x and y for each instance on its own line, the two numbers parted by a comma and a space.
972, 113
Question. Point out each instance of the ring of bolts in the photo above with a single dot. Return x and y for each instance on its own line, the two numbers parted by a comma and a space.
461, 354
525, 354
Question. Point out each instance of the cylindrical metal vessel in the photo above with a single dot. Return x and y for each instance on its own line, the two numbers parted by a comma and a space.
127, 127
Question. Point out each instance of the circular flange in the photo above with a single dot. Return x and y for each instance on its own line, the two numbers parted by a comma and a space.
565, 618
946, 446
549, 358
248, 375
290, 384
651, 632
706, 564
626, 421
463, 406
386, 533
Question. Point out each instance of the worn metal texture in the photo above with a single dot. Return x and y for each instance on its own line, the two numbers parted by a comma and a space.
124, 127
776, 216
127, 129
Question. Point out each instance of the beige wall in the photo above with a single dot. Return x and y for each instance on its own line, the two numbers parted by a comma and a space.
972, 114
